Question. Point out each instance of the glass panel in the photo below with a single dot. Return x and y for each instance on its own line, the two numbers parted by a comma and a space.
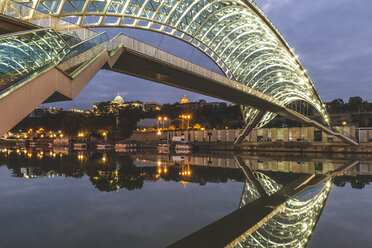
25, 53
84, 52
20, 11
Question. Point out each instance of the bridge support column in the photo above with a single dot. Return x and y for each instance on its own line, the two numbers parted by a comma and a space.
248, 129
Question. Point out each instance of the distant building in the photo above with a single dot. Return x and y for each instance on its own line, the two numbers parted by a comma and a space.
53, 110
153, 106
114, 106
136, 104
187, 106
40, 111
76, 110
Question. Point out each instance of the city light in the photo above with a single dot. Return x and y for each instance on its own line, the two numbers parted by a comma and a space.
160, 121
185, 119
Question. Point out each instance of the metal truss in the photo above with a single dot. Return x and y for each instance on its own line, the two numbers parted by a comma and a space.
235, 34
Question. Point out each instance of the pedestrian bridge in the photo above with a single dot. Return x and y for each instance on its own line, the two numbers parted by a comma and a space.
53, 59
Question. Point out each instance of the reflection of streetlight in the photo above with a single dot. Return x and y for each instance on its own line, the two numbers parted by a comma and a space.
104, 158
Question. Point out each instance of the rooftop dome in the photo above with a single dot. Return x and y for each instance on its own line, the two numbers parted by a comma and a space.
184, 99
119, 99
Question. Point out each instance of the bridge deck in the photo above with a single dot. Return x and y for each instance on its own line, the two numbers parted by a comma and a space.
142, 60
145, 61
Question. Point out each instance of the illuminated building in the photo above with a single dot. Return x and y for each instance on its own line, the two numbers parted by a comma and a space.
153, 106
114, 106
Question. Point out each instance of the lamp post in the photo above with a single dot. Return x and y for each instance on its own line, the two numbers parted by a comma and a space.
159, 121
186, 118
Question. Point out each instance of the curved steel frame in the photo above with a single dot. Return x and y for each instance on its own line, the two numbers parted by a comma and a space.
235, 34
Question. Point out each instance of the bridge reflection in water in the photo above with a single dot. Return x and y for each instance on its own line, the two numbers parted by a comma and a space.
290, 227
277, 208
269, 214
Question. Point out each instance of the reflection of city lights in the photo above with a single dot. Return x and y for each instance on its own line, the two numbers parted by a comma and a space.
104, 158
185, 171
80, 156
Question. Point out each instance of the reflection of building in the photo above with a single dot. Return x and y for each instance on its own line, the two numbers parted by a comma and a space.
33, 172
187, 106
153, 106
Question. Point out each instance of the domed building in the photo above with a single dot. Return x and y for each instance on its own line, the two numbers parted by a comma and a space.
118, 99
114, 106
190, 107
184, 100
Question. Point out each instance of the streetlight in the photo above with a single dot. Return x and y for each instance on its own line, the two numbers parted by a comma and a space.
164, 120
187, 118
161, 119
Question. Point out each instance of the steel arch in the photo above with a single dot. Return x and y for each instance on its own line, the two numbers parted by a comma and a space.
235, 34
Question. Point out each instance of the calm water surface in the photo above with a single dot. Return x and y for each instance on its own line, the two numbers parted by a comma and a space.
147, 200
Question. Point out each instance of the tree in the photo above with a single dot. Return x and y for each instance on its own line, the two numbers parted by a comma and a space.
72, 123
171, 110
336, 106
127, 120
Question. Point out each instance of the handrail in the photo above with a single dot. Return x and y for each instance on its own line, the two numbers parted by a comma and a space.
141, 47
48, 21
90, 38
323, 128
22, 32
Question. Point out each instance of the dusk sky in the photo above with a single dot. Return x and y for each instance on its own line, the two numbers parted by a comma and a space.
332, 38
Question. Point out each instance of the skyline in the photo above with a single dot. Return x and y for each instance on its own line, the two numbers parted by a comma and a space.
338, 54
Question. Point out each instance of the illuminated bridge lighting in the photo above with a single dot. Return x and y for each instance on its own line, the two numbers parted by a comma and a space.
235, 34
